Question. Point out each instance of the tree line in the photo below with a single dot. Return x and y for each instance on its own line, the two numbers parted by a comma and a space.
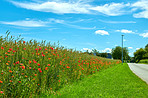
141, 53
116, 53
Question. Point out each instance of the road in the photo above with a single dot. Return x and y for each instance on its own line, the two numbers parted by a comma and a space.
141, 70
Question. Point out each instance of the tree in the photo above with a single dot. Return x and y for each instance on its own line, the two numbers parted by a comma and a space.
103, 55
139, 54
117, 53
95, 51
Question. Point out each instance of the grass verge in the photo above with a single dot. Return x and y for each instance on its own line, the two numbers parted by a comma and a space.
118, 81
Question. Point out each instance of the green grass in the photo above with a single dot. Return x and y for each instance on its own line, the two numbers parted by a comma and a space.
114, 82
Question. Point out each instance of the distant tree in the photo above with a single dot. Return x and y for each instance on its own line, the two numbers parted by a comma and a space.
139, 54
117, 53
103, 55
95, 51
146, 48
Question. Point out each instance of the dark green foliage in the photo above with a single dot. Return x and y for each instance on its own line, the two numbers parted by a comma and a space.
139, 54
117, 53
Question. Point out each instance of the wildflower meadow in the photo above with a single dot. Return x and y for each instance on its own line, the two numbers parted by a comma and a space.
30, 68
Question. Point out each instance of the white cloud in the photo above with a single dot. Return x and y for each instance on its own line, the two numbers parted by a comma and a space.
144, 34
101, 32
131, 54
85, 49
137, 48
130, 47
116, 22
125, 31
108, 50
73, 6
113, 9
26, 23
142, 5
55, 6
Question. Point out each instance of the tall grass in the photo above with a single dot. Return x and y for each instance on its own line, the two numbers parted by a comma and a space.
30, 68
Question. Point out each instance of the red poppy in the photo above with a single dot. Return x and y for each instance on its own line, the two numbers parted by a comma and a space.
67, 67
29, 62
1, 81
40, 71
1, 92
39, 48
2, 48
10, 49
29, 67
23, 41
51, 48
34, 61
17, 62
46, 68
45, 49
48, 65
38, 64
23, 67
19, 81
43, 55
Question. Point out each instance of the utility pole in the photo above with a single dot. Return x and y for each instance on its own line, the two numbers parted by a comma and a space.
122, 49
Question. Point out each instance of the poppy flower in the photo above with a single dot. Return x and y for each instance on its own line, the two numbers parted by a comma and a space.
10, 49
38, 64
1, 81
23, 41
39, 48
23, 67
34, 61
29, 62
1, 92
46, 68
17, 62
2, 48
51, 48
19, 81
48, 65
67, 67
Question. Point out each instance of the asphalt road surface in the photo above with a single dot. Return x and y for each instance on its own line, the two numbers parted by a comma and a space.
141, 70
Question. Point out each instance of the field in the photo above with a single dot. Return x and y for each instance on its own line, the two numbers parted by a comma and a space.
31, 68
115, 82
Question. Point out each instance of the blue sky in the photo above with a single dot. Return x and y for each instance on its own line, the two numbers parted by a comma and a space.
78, 24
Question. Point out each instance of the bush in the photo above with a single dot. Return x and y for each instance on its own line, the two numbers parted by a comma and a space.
144, 61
